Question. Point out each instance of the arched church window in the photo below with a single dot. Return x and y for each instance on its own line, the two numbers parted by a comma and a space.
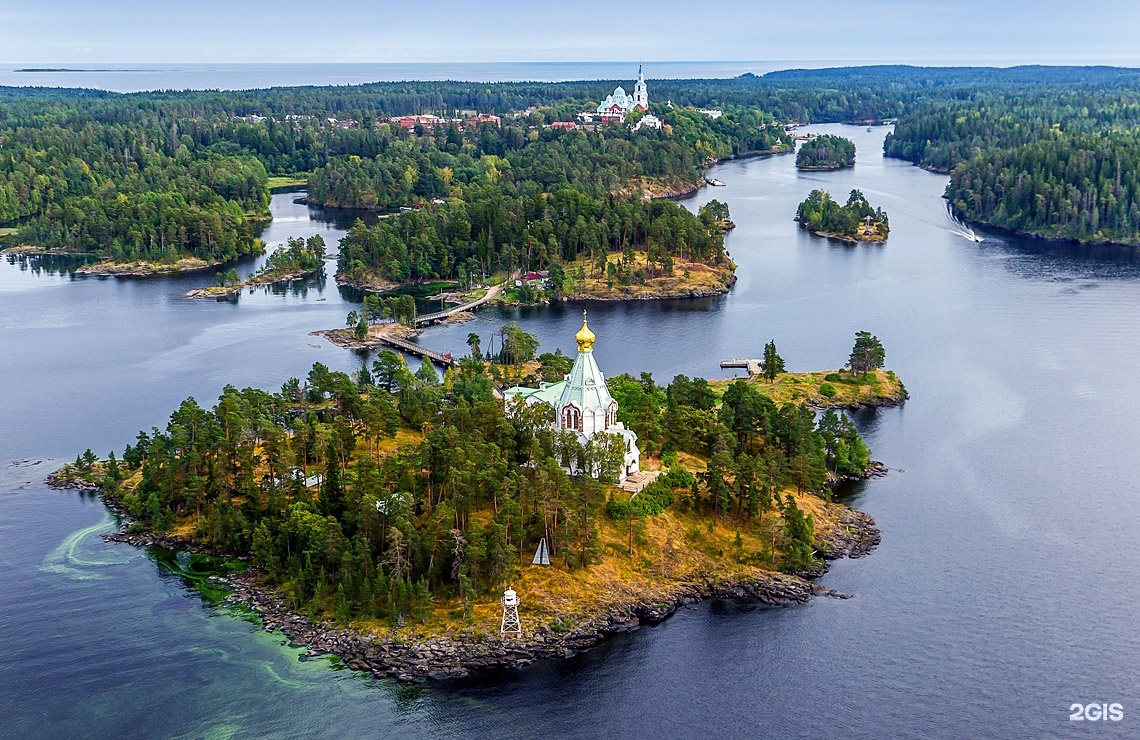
571, 418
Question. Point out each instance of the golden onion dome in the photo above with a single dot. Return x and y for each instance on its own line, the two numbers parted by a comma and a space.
585, 338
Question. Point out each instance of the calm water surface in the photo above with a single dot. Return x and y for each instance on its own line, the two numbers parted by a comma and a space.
244, 76
1004, 591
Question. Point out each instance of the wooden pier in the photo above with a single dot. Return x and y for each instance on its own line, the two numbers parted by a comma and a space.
752, 366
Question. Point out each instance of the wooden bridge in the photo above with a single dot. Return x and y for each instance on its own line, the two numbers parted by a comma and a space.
444, 360
428, 319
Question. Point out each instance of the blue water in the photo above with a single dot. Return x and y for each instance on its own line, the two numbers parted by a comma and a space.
211, 76
1005, 588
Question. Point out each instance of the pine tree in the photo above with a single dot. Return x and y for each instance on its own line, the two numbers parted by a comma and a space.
772, 364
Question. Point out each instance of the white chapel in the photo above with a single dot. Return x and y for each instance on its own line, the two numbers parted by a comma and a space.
582, 403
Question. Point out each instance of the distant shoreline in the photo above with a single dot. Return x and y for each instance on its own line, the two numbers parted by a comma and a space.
68, 69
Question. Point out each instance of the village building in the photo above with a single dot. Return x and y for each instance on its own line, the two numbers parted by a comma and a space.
648, 121
583, 405
410, 122
483, 118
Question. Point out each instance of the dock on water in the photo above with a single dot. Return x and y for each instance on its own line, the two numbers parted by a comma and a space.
752, 366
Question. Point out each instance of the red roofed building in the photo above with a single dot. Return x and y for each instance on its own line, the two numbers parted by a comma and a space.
483, 118
564, 125
410, 122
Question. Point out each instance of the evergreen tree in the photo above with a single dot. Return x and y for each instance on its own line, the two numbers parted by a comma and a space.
867, 354
772, 364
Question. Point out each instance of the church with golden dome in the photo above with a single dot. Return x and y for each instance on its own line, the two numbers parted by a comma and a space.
582, 403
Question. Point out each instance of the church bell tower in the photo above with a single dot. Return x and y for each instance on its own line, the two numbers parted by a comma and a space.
640, 92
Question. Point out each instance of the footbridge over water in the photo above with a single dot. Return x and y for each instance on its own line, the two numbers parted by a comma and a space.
439, 358
428, 319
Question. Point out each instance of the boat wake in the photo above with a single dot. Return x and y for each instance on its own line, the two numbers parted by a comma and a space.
961, 229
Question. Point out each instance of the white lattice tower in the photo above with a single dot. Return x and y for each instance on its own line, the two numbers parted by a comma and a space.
511, 624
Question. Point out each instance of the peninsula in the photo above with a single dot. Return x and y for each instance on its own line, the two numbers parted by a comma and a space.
298, 258
382, 515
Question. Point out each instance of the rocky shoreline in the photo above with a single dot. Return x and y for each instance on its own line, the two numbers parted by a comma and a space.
882, 402
146, 269
825, 168
848, 239
385, 655
346, 338
28, 250
252, 282
369, 286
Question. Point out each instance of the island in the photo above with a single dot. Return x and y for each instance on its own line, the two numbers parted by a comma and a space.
380, 517
855, 221
826, 152
297, 259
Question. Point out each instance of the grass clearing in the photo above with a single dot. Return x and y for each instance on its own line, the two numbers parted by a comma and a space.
687, 279
276, 182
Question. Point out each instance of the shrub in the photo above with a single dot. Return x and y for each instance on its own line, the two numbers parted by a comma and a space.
654, 499
833, 378
617, 510
677, 477
827, 389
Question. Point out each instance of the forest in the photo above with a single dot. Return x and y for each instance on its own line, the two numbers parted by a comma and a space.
163, 175
380, 494
160, 176
1051, 163
509, 228
503, 198
855, 219
826, 152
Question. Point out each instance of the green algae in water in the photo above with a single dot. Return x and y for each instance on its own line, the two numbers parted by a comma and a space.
73, 560
203, 573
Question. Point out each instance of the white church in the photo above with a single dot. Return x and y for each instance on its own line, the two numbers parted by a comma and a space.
582, 403
618, 104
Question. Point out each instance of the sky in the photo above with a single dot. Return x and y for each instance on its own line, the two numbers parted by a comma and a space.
992, 32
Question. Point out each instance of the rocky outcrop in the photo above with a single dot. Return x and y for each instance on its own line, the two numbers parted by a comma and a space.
61, 481
856, 536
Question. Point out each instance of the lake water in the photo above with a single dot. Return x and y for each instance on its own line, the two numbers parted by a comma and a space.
220, 76
1004, 589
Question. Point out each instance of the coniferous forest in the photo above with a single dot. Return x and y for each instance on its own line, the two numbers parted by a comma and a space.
1056, 163
163, 175
826, 152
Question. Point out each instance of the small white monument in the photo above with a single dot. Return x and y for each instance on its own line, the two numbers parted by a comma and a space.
541, 555
511, 624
